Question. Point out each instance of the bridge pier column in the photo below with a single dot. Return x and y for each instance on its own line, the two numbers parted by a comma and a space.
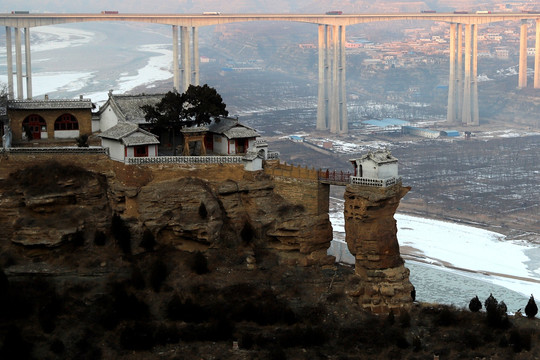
466, 110
28, 63
327, 75
459, 76
196, 57
185, 54
321, 90
474, 96
451, 109
334, 99
176, 70
522, 80
9, 58
537, 56
343, 122
18, 63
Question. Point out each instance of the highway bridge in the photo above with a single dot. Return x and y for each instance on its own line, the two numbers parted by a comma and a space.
332, 107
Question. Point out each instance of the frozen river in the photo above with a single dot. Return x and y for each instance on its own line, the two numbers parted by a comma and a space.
451, 263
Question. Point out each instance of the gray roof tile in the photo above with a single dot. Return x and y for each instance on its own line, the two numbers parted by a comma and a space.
49, 104
130, 106
232, 129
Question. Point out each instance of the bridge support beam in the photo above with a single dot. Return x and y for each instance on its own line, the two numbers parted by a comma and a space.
176, 69
189, 57
537, 56
451, 109
28, 63
522, 80
463, 87
343, 122
459, 78
466, 109
332, 97
196, 57
9, 55
18, 63
186, 65
321, 90
474, 80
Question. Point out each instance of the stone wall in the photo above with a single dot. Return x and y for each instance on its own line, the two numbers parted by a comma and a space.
371, 231
300, 186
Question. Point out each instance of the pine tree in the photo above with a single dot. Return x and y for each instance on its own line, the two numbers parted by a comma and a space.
475, 304
531, 309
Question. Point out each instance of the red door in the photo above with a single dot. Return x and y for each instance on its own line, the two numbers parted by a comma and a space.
36, 126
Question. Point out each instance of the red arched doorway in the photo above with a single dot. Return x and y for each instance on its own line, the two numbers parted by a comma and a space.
33, 126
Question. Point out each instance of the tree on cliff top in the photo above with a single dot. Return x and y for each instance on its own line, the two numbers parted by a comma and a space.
197, 106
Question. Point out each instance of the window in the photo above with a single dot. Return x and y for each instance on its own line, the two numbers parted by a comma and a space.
141, 151
66, 122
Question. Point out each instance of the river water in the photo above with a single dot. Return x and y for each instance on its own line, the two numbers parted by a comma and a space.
436, 283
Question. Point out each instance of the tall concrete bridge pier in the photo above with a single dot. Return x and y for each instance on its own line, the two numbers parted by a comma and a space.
463, 73
332, 96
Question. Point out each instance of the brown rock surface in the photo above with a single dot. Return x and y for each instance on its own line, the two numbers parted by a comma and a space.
46, 204
371, 237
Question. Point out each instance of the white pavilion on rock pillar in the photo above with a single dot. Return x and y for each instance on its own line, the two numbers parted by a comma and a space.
377, 168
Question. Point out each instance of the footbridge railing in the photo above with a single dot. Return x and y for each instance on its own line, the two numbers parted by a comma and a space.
334, 177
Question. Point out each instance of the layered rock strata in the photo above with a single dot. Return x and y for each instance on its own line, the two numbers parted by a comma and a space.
47, 204
371, 236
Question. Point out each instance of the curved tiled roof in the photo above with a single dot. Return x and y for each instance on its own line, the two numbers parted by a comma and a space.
232, 129
130, 134
128, 107
49, 104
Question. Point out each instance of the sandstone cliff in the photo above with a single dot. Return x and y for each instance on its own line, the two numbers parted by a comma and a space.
371, 237
46, 204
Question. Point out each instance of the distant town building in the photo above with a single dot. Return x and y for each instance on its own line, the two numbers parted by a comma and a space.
296, 138
431, 134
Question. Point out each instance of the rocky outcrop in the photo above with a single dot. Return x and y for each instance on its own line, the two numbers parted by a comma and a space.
49, 205
184, 207
371, 237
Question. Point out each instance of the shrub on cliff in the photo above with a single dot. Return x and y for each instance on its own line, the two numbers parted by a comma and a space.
531, 309
475, 305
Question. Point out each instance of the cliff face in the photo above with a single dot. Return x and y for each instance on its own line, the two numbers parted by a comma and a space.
371, 237
190, 208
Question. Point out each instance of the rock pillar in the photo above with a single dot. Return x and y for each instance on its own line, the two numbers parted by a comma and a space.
371, 231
